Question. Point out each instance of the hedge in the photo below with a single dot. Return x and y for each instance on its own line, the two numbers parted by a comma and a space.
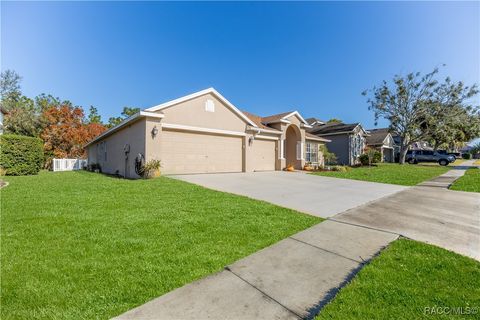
20, 155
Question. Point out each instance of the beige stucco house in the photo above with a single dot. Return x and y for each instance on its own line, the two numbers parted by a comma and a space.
204, 133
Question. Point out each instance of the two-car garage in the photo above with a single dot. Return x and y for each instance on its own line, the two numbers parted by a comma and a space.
194, 152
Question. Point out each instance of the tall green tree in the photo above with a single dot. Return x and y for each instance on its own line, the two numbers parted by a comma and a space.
22, 115
450, 119
127, 112
45, 101
419, 107
334, 120
9, 86
94, 116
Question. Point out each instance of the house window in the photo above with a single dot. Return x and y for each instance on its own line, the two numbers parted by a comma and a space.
357, 145
311, 152
282, 149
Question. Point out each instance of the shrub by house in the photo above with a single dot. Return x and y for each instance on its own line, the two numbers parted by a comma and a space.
20, 155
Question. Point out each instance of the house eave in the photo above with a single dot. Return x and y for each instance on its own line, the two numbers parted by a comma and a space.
318, 139
129, 120
257, 129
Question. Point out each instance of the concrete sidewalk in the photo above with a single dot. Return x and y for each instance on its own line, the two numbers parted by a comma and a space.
297, 276
445, 180
429, 212
291, 279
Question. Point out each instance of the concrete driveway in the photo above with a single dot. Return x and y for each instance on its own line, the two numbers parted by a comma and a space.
320, 196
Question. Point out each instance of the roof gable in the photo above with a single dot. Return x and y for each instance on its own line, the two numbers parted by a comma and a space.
378, 136
283, 117
212, 91
315, 121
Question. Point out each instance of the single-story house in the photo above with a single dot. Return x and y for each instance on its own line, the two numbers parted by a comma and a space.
381, 140
347, 141
205, 133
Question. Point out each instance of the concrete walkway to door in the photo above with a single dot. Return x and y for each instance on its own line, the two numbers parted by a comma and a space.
320, 196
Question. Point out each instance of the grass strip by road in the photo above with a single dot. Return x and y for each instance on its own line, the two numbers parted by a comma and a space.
470, 181
392, 173
410, 280
79, 245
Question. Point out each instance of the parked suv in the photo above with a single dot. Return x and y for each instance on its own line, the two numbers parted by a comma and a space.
416, 156
444, 152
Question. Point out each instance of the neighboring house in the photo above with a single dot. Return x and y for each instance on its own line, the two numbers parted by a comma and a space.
203, 133
315, 121
420, 145
382, 140
347, 141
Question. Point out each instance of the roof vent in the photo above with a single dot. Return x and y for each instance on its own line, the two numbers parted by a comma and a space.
209, 106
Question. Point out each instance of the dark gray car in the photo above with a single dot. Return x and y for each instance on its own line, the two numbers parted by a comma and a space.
417, 156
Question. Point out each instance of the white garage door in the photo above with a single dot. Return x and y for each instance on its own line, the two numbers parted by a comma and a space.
182, 152
263, 155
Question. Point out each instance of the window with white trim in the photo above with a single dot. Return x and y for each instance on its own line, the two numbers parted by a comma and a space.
282, 148
311, 152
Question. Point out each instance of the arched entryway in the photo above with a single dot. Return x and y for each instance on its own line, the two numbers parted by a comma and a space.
292, 138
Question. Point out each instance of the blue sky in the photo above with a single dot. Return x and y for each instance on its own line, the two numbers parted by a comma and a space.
315, 57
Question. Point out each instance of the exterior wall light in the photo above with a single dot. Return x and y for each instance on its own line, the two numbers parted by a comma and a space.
154, 131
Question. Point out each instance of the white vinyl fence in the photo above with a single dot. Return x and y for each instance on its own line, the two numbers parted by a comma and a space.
69, 164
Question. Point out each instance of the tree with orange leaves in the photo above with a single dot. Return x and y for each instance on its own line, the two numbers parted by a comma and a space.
66, 131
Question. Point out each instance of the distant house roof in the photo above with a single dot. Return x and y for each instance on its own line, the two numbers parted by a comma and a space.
335, 127
377, 136
263, 122
276, 117
314, 121
258, 121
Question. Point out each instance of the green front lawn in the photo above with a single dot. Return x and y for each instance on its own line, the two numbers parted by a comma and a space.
79, 245
393, 173
405, 279
470, 181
